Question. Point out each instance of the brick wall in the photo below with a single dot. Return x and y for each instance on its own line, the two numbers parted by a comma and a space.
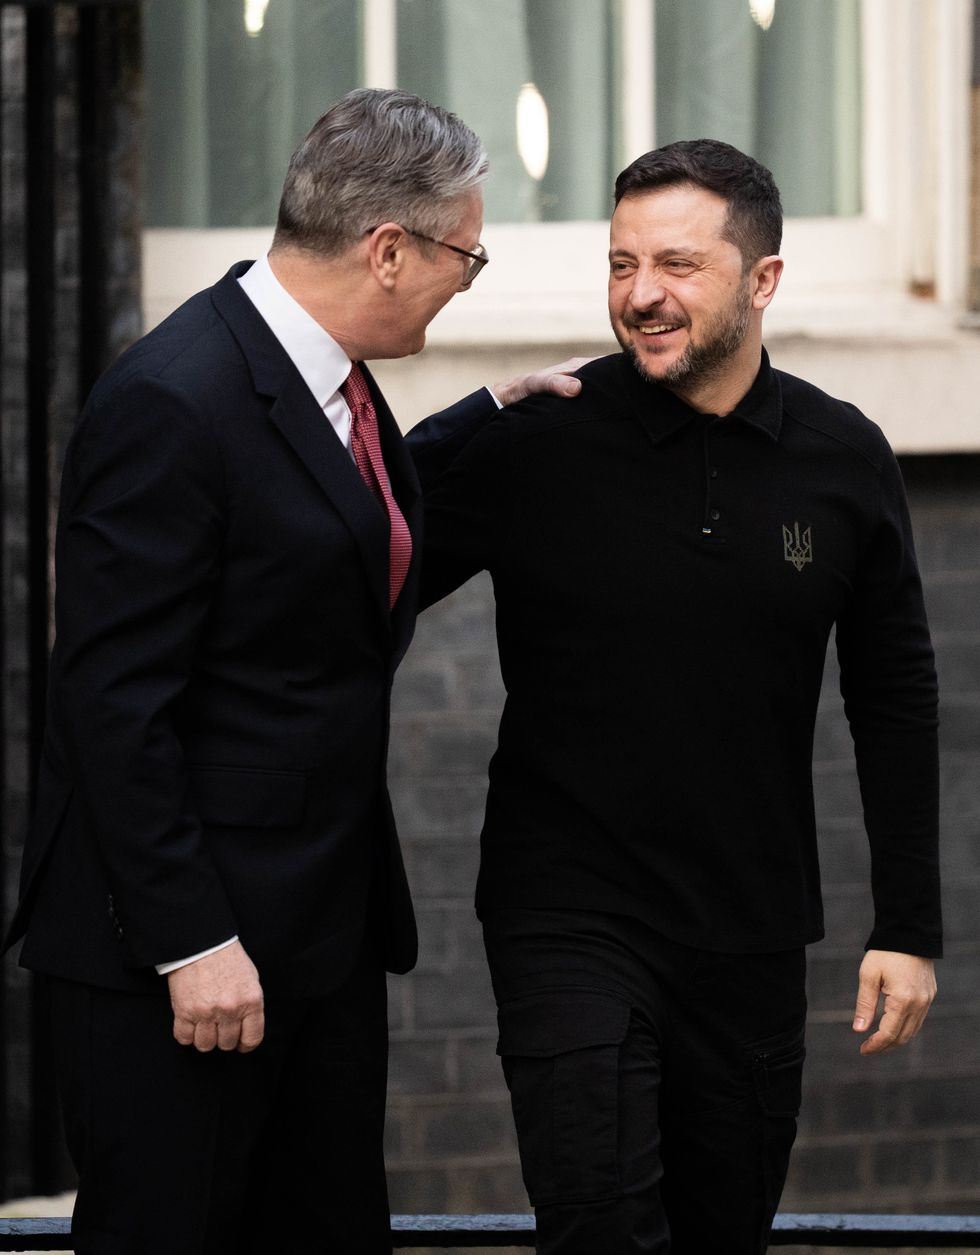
895, 1133
451, 1144
903, 1132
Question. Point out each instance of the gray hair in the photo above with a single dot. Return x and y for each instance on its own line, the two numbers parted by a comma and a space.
378, 156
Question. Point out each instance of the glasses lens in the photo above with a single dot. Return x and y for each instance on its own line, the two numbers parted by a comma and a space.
477, 262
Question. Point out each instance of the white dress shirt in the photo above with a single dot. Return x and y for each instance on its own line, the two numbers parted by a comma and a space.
316, 355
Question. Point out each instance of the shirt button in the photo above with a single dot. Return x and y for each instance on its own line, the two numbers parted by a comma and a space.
713, 472
715, 515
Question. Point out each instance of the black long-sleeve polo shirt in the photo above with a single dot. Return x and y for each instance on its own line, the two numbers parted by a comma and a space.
666, 584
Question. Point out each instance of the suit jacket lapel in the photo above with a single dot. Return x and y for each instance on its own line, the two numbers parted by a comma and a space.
302, 422
299, 418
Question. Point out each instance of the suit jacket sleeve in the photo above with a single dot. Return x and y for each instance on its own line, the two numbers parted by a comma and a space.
888, 682
139, 547
436, 442
467, 513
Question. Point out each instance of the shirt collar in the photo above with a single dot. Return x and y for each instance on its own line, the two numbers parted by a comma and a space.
762, 405
317, 356
664, 413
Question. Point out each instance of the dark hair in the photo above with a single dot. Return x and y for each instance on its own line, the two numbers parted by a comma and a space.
378, 156
755, 215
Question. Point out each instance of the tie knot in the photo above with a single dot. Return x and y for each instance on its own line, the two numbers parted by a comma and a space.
354, 389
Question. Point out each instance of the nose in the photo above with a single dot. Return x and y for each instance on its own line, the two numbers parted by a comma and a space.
647, 290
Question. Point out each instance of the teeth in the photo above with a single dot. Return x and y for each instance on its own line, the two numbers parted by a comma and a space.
653, 331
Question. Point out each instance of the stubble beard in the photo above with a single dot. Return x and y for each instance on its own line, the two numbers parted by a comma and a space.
706, 360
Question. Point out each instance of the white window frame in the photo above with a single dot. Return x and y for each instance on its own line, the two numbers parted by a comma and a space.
851, 276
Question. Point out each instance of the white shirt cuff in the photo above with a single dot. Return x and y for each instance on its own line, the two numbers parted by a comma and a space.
164, 968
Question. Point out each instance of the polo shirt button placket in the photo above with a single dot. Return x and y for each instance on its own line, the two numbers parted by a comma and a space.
713, 515
711, 512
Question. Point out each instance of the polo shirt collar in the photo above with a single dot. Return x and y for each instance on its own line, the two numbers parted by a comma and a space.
663, 413
762, 405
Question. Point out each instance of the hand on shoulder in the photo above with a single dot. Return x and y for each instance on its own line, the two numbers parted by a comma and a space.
558, 380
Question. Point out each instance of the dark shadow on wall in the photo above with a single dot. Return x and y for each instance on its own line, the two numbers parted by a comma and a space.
69, 259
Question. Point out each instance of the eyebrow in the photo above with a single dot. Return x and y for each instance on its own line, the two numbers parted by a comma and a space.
695, 254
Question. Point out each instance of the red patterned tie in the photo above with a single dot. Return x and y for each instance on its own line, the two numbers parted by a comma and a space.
366, 447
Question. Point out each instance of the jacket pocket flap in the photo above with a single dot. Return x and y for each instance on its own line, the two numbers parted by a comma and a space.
247, 797
555, 1021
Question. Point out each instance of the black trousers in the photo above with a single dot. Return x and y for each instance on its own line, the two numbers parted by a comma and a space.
205, 1154
655, 1088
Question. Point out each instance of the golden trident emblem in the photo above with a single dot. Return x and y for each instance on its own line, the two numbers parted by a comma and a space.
796, 548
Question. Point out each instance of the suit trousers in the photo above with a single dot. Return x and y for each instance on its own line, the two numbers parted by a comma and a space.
214, 1154
655, 1087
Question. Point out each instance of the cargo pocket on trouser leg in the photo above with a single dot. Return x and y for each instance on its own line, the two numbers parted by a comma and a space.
560, 1051
777, 1074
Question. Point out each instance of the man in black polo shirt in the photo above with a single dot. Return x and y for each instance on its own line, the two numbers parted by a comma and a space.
670, 551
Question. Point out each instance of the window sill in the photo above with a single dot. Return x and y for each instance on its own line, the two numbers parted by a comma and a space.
912, 365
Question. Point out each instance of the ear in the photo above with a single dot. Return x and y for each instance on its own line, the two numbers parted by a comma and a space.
766, 274
387, 247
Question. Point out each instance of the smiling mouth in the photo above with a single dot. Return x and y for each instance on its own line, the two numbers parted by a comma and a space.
658, 329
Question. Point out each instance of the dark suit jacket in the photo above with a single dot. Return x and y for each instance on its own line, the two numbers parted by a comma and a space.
218, 713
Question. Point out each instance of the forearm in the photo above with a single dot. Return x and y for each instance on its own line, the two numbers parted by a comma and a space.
467, 513
899, 778
888, 681
437, 441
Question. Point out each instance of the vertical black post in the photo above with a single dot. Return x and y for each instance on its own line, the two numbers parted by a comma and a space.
41, 90
79, 221
40, 236
4, 1075
109, 49
94, 94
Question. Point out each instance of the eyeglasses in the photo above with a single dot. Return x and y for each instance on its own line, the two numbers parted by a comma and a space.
477, 259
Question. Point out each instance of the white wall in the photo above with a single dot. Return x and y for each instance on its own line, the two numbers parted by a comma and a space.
924, 393
909, 364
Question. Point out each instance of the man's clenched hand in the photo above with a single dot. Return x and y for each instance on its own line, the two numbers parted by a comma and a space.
217, 1001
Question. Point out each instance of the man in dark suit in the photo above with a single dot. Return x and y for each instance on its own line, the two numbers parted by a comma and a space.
670, 551
237, 565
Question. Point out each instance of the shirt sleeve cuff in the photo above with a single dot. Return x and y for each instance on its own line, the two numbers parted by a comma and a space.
163, 969
494, 395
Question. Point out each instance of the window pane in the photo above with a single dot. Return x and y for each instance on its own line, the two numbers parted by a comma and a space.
475, 58
224, 109
790, 94
539, 80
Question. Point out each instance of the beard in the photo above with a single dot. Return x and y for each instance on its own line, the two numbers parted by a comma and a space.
705, 359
